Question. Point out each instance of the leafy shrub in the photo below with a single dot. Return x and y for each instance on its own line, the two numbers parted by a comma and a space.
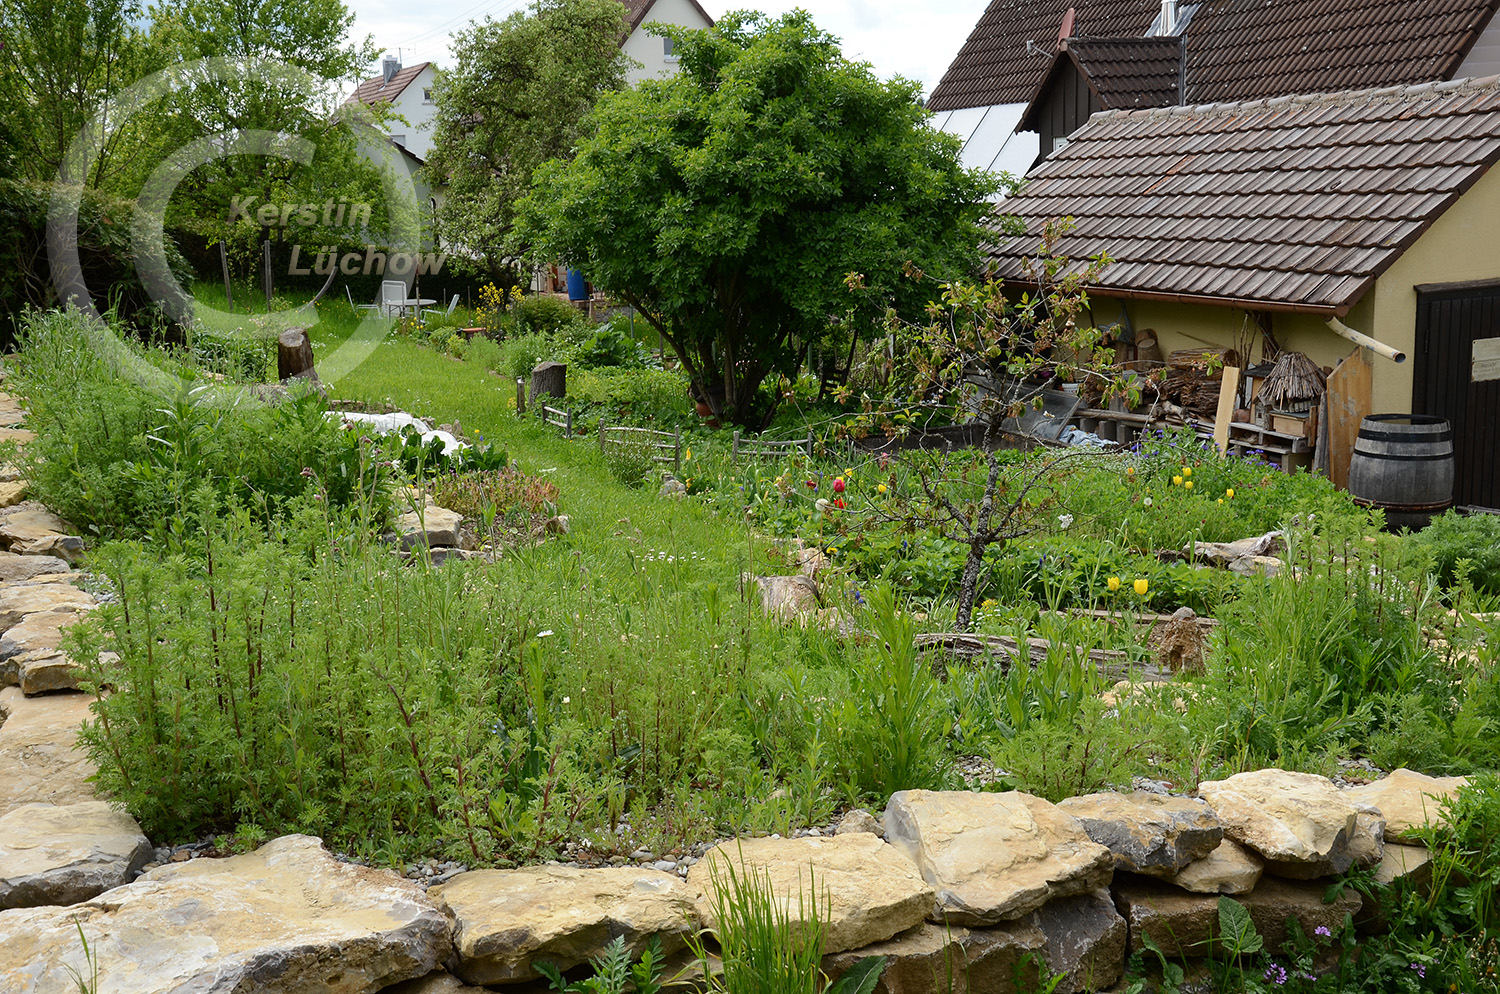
502, 493
485, 354
1453, 537
541, 314
519, 355
629, 460
611, 346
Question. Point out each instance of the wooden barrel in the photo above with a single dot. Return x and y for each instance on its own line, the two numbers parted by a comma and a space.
1403, 464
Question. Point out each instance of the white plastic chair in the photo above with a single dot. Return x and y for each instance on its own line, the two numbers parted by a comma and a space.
452, 304
392, 297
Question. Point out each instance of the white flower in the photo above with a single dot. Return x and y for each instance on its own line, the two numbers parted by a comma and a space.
1147, 502
1066, 520
544, 633
567, 700
821, 503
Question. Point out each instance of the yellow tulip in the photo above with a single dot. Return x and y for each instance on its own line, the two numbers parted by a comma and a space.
880, 489
1188, 484
1129, 470
831, 550
1229, 493
1114, 584
1176, 481
1141, 586
1221, 500
1187, 471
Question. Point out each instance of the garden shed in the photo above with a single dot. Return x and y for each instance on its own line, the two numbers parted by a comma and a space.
1299, 217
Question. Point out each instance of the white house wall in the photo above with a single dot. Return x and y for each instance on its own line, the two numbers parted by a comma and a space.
1484, 57
649, 50
419, 113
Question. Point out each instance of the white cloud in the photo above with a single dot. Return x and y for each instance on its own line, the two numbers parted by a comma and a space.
915, 40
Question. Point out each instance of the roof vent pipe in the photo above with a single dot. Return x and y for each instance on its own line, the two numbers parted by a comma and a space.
389, 67
1166, 25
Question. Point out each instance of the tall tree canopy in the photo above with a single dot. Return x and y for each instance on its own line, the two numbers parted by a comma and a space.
514, 100
730, 203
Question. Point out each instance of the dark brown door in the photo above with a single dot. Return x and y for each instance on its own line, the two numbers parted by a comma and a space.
1457, 376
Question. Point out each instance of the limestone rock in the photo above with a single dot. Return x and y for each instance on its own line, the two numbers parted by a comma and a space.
1184, 925
433, 527
994, 857
31, 521
12, 493
1410, 863
1226, 553
1229, 869
42, 630
1154, 834
1179, 644
18, 435
938, 959
1267, 566
1299, 823
558, 524
865, 890
1367, 845
1408, 800
18, 601
52, 854
859, 820
787, 597
506, 919
16, 568
440, 982
37, 750
1086, 940
285, 919
44, 671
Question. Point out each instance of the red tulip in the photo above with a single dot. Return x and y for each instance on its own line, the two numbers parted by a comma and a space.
838, 485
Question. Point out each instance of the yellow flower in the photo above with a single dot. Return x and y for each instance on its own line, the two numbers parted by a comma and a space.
1187, 471
832, 550
1129, 470
1188, 484
1141, 586
1114, 584
987, 602
1229, 493
880, 489
1176, 481
1221, 500
849, 472
687, 454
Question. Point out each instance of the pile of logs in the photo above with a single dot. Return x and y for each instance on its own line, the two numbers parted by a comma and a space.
1192, 378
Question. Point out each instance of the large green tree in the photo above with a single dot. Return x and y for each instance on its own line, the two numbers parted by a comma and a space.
730, 203
513, 101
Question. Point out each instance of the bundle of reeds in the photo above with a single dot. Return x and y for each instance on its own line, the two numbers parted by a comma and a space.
1295, 384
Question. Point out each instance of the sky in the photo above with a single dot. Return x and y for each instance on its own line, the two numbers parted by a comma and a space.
912, 38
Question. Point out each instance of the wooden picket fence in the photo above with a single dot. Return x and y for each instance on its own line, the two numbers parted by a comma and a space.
666, 446
558, 418
761, 449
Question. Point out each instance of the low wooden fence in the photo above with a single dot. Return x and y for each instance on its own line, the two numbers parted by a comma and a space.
666, 446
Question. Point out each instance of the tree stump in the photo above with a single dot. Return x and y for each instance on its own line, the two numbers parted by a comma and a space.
294, 355
549, 378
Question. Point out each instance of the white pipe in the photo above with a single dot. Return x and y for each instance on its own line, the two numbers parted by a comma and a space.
1358, 338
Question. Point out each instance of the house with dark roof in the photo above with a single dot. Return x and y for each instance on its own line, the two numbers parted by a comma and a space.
1357, 227
1031, 62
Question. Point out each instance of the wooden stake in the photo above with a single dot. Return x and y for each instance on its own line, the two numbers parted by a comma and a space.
1229, 388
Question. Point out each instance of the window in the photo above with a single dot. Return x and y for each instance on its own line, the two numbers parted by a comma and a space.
427, 94
667, 50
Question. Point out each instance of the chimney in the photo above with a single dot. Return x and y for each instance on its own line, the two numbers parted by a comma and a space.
1166, 25
389, 66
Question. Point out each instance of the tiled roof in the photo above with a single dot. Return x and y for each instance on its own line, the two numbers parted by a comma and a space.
1294, 203
993, 67
1128, 73
1236, 49
1246, 49
377, 89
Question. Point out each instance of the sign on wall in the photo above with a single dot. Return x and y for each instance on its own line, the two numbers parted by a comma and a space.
1486, 360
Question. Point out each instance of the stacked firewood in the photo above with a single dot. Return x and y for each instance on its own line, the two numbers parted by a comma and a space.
1192, 378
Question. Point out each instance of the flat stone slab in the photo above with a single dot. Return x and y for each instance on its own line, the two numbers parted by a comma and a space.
1154, 834
46, 672
17, 568
434, 527
37, 751
507, 919
13, 492
1185, 925
43, 630
1299, 823
52, 854
286, 919
20, 436
994, 857
1408, 800
864, 890
1229, 869
18, 601
30, 521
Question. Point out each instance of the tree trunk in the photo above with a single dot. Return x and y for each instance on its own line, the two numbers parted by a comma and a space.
294, 355
549, 378
982, 536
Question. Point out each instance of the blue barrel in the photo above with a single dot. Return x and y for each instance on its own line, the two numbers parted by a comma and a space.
577, 286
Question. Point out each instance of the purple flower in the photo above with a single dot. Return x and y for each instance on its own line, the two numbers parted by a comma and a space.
1421, 971
1276, 974
1323, 931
